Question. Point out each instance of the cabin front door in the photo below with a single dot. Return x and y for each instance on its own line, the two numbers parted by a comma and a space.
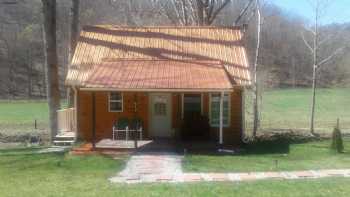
160, 115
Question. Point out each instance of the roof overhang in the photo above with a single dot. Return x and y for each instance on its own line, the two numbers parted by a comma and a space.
153, 90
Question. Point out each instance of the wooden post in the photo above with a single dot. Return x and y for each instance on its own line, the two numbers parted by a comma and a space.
93, 121
221, 117
337, 123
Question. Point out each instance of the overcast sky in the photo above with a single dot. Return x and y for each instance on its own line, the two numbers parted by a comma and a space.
337, 11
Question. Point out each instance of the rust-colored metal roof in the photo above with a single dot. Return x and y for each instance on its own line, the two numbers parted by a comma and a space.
158, 75
97, 44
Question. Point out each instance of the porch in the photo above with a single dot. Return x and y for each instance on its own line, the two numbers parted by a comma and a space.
67, 127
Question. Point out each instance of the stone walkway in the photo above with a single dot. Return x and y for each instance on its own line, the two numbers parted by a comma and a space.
166, 167
150, 167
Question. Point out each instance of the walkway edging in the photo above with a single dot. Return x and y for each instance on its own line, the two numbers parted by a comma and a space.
231, 177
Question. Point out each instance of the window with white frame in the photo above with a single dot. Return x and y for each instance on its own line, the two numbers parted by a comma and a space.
215, 110
115, 102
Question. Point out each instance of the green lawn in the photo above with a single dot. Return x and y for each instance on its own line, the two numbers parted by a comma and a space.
306, 156
59, 175
290, 108
19, 116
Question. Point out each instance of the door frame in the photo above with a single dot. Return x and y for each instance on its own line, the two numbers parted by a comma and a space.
150, 106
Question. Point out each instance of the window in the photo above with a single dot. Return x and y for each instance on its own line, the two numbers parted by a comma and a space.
160, 109
160, 105
115, 102
215, 110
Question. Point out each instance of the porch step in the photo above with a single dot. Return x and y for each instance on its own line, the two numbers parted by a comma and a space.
63, 143
64, 139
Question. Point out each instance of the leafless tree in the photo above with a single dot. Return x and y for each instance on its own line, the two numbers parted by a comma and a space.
74, 25
52, 79
314, 48
75, 12
255, 85
192, 12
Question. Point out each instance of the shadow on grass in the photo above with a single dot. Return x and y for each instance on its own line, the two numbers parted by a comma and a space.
252, 148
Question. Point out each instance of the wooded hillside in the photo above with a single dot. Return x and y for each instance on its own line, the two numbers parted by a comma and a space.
284, 58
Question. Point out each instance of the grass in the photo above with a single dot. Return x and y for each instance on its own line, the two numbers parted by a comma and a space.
58, 175
306, 156
290, 108
19, 116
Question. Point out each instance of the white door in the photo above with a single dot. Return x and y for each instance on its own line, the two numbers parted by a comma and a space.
160, 115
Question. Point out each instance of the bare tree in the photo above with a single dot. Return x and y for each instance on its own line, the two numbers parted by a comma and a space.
73, 40
318, 61
74, 26
192, 12
256, 89
52, 79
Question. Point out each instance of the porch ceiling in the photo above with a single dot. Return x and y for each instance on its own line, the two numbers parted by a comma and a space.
158, 75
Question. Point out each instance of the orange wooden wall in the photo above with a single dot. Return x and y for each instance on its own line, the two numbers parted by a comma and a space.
105, 119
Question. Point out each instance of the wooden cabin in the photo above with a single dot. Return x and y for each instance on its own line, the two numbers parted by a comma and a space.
161, 75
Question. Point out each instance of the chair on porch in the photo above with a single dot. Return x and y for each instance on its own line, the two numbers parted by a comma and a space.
136, 126
120, 126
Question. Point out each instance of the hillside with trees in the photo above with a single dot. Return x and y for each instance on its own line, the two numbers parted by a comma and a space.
284, 60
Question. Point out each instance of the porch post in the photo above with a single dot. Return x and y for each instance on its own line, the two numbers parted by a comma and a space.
221, 117
75, 113
93, 121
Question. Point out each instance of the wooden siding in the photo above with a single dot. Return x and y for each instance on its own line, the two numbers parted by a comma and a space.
105, 119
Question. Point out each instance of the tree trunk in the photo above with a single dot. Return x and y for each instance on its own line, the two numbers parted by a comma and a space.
314, 70
313, 102
73, 43
52, 80
74, 26
256, 91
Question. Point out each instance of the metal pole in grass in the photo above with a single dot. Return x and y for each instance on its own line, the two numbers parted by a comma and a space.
337, 123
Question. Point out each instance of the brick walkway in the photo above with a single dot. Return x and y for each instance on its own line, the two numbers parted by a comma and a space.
166, 167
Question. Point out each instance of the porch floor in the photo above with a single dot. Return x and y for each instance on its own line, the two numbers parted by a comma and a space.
120, 144
156, 145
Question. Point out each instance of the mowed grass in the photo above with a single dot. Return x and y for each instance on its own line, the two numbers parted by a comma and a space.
20, 116
59, 175
290, 108
305, 156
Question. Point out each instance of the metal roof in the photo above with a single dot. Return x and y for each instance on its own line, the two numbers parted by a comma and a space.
102, 45
159, 75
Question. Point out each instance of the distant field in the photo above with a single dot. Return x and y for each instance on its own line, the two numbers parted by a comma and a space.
290, 108
19, 116
281, 109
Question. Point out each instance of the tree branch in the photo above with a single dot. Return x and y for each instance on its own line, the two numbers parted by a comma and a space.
243, 12
306, 43
217, 11
336, 52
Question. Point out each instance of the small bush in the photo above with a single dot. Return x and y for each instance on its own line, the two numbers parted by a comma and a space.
337, 141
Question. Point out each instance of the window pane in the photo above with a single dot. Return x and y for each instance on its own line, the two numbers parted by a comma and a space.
115, 96
115, 106
160, 109
215, 110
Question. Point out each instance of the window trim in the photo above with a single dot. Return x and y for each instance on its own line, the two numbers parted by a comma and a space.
183, 103
121, 101
229, 110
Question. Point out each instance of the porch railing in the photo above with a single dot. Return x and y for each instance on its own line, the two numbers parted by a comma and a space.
66, 120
